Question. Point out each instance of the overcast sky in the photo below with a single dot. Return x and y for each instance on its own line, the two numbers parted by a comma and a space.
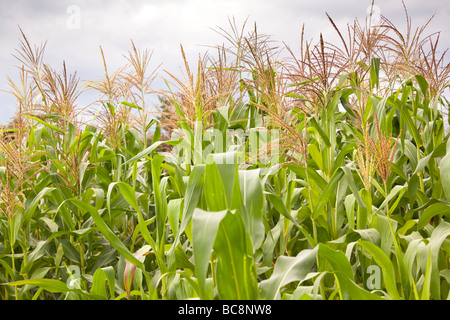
75, 29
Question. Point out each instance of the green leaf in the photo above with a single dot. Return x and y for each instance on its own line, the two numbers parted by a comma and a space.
159, 197
411, 126
364, 213
349, 204
129, 194
278, 204
98, 284
325, 196
444, 168
37, 253
386, 266
340, 266
423, 84
151, 148
316, 155
106, 231
192, 196
174, 211
437, 238
49, 125
252, 210
31, 208
50, 285
204, 230
235, 271
214, 191
336, 259
131, 105
427, 281
431, 211
320, 131
239, 116
397, 190
287, 270
14, 225
69, 251
383, 227
374, 71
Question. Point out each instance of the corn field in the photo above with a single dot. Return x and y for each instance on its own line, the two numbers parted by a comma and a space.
267, 173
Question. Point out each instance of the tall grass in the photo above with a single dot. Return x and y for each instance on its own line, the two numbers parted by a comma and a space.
321, 175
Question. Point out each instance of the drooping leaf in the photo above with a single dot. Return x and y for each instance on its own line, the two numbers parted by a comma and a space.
287, 270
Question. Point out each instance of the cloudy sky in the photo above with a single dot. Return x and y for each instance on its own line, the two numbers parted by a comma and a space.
74, 29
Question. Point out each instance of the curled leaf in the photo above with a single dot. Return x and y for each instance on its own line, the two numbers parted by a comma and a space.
130, 269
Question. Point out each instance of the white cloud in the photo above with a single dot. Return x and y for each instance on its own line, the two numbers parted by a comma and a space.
162, 25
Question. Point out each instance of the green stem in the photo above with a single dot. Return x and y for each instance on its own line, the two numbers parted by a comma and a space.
334, 229
81, 251
11, 228
389, 220
14, 270
420, 174
310, 205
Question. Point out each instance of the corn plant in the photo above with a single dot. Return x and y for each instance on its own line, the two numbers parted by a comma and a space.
323, 174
